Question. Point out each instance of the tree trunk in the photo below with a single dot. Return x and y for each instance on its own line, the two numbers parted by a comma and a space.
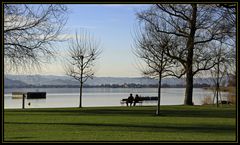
81, 83
189, 89
190, 47
159, 94
80, 99
81, 86
217, 87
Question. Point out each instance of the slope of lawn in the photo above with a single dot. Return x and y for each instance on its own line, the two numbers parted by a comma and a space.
139, 123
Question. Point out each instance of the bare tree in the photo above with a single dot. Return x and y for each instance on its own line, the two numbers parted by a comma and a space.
150, 48
195, 28
83, 52
30, 32
220, 70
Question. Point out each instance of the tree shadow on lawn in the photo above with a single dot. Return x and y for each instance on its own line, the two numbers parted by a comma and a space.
20, 138
85, 111
200, 128
130, 111
199, 113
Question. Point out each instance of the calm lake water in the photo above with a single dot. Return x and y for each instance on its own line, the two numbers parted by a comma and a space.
69, 97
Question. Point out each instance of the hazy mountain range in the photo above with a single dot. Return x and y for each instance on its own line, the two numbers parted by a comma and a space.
38, 80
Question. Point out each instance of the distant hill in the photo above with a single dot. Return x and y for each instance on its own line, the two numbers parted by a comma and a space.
39, 80
13, 83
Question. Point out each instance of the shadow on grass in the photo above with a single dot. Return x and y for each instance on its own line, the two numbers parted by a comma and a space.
20, 138
131, 111
199, 113
143, 127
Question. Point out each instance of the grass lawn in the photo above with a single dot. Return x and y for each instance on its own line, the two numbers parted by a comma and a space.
139, 123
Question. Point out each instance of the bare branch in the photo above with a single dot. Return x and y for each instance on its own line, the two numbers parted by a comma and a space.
83, 52
30, 31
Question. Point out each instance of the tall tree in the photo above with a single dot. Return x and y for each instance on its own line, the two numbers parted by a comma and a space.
83, 52
29, 33
196, 28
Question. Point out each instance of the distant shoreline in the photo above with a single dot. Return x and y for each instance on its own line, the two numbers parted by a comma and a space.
107, 86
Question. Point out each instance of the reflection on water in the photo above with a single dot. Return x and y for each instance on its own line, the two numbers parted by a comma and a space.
69, 97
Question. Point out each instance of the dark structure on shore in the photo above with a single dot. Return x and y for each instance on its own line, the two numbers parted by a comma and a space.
36, 95
29, 95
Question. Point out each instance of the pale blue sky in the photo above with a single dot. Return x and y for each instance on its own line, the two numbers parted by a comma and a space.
114, 26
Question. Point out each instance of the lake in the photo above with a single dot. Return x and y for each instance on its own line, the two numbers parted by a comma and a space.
69, 97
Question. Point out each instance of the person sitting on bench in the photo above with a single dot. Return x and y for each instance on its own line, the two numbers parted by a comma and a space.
136, 99
130, 100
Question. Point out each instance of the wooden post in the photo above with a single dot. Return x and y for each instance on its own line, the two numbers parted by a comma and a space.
23, 101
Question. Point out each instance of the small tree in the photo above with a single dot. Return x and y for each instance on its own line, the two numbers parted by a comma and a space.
151, 49
221, 69
83, 52
217, 76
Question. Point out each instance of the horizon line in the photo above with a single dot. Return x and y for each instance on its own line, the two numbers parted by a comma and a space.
99, 76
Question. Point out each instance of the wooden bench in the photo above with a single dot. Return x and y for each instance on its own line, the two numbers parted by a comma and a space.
140, 101
225, 102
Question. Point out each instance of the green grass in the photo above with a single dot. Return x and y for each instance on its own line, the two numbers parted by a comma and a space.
139, 123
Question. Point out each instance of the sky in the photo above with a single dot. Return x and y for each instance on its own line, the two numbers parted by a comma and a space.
113, 26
